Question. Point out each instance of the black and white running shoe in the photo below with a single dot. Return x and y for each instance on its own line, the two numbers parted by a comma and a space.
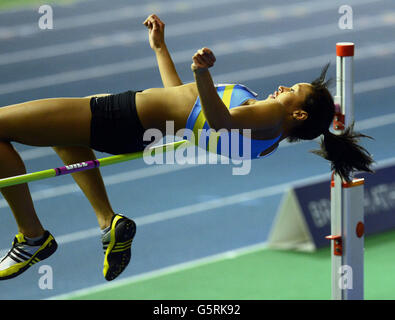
24, 254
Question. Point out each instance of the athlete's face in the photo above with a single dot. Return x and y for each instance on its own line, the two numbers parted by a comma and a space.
292, 96
292, 99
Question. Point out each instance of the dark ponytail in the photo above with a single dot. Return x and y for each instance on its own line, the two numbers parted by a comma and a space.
344, 152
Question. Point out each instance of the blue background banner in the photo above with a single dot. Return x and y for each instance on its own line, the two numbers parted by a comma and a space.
379, 205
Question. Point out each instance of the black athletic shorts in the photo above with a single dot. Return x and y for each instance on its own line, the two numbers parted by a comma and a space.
115, 126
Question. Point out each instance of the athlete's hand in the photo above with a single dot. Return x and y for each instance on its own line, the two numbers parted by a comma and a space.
156, 31
203, 59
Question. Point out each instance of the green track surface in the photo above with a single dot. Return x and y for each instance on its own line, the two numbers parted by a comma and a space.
18, 4
265, 274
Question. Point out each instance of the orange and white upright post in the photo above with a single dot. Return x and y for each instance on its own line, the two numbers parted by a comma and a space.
347, 198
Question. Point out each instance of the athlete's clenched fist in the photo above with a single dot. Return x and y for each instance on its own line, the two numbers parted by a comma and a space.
203, 59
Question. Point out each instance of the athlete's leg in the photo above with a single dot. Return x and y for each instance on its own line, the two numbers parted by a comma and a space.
90, 182
43, 123
32, 243
18, 197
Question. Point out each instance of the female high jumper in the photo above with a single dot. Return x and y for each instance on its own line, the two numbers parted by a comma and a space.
115, 124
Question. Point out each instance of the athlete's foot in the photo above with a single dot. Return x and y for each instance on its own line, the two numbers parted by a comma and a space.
117, 242
24, 253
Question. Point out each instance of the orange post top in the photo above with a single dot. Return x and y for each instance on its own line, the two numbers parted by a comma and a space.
353, 183
345, 49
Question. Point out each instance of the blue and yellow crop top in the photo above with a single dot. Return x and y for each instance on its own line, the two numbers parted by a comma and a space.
225, 143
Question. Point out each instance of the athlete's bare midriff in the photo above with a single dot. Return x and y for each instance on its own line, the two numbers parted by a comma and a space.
158, 105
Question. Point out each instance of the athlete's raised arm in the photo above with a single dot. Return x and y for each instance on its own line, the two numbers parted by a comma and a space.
215, 111
262, 116
156, 31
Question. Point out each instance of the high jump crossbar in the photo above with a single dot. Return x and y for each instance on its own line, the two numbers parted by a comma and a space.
91, 164
347, 198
